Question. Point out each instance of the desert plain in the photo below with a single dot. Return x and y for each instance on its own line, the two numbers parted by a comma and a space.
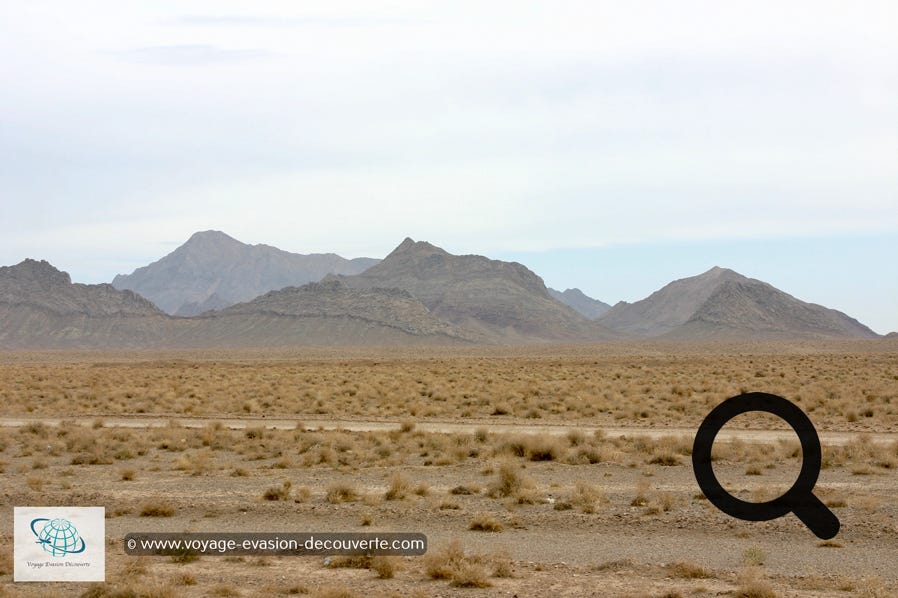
540, 470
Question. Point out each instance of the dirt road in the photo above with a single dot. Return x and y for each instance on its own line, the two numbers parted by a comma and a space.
448, 427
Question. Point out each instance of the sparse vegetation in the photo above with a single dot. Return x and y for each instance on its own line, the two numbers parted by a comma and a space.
488, 475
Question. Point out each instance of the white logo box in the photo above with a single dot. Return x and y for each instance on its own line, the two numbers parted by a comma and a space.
59, 544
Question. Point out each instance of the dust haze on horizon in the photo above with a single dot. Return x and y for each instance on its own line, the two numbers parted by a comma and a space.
608, 147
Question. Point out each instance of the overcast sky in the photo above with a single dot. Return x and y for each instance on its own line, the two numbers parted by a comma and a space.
612, 146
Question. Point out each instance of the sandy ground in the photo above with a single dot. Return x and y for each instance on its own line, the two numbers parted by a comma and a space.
621, 550
649, 517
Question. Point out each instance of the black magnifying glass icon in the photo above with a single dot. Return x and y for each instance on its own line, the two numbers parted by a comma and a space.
799, 499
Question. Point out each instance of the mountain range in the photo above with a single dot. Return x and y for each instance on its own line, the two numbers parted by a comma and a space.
723, 304
215, 291
581, 302
502, 301
41, 308
213, 270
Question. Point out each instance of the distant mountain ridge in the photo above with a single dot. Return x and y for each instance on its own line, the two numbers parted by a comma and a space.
418, 294
213, 270
723, 304
581, 302
504, 301
330, 313
40, 307
39, 284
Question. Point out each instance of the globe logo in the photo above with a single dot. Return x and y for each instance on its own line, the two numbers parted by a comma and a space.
57, 536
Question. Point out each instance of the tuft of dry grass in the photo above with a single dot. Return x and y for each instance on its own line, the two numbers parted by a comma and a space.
281, 492
509, 480
470, 574
157, 508
587, 497
754, 556
302, 494
384, 566
467, 570
341, 492
753, 585
687, 570
484, 522
400, 487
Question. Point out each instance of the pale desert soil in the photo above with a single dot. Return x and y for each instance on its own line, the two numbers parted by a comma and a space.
626, 547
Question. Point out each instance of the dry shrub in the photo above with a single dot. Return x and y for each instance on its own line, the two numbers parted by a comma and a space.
197, 463
484, 522
753, 585
342, 492
642, 494
136, 567
302, 494
754, 556
687, 570
589, 455
470, 574
350, 562
502, 565
461, 570
400, 487
586, 497
667, 450
384, 566
127, 474
541, 447
281, 492
663, 456
509, 480
157, 508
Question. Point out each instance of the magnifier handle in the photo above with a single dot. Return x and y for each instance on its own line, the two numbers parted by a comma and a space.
817, 517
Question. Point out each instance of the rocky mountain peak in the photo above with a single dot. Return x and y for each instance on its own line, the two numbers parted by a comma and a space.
40, 273
410, 247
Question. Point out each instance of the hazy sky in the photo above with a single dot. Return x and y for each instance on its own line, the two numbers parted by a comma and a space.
612, 146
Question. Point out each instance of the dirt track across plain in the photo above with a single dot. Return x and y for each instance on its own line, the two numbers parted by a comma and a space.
444, 427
